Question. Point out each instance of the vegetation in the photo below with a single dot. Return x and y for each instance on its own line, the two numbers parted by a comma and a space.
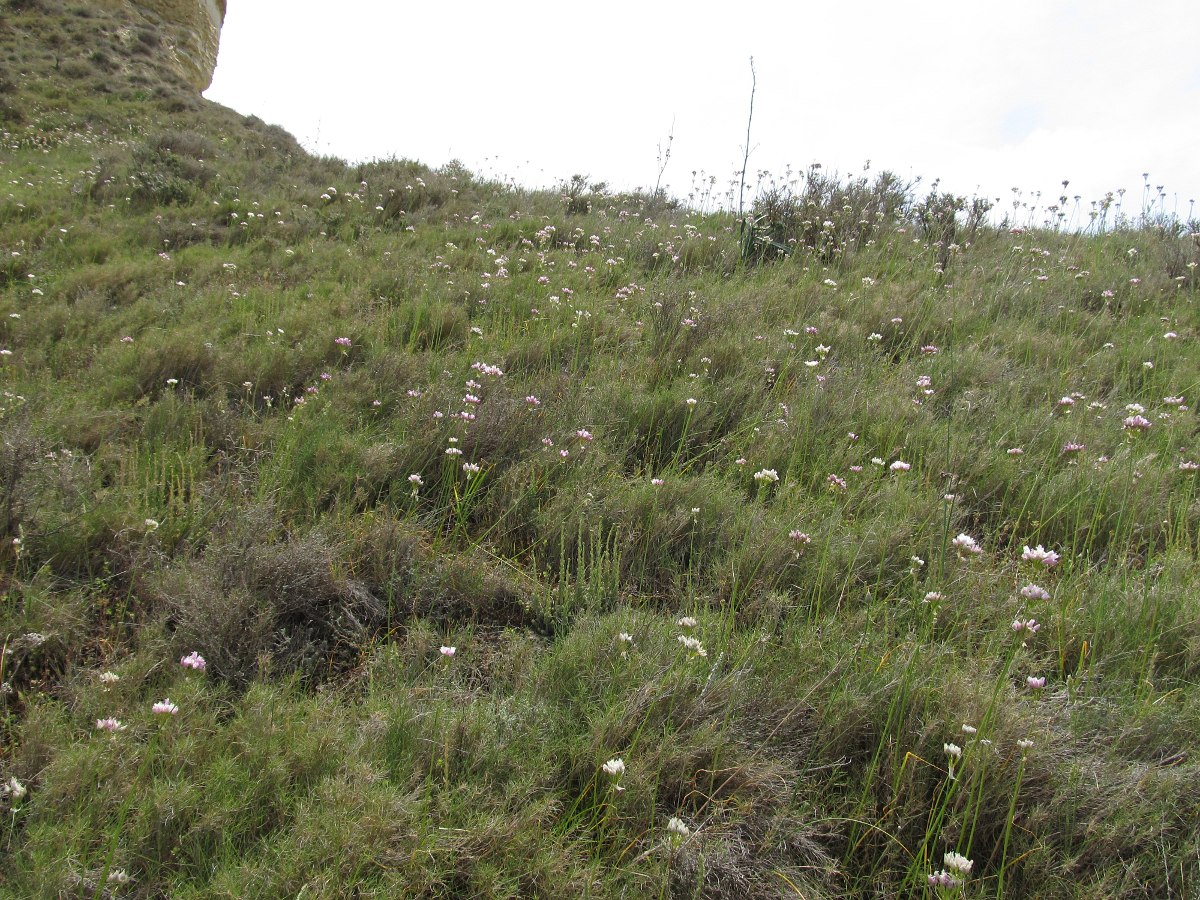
496, 543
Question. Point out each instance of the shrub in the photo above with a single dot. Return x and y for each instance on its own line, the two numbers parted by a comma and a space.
257, 600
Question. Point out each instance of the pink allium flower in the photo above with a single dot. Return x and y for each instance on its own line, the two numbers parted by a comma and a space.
447, 652
1072, 447
941, 878
1015, 451
193, 661
165, 707
110, 725
1035, 682
656, 481
584, 435
799, 536
342, 341
1035, 592
1047, 558
1135, 423
900, 466
1030, 625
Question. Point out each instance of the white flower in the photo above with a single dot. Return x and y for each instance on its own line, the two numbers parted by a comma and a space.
958, 863
766, 475
692, 645
447, 651
686, 622
677, 827
15, 789
965, 544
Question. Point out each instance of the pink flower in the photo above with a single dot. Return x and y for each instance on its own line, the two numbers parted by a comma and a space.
584, 435
1047, 558
342, 341
165, 707
110, 725
799, 536
1035, 592
533, 401
193, 661
447, 652
1135, 423
1034, 682
900, 466
656, 481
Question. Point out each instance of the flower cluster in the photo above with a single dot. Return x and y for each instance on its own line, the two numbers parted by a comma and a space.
966, 545
1039, 554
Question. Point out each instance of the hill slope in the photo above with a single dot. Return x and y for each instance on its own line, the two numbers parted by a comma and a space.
862, 562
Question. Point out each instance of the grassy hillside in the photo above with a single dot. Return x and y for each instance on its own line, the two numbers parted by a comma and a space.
567, 543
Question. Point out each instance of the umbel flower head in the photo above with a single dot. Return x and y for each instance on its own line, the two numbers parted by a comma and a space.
966, 546
165, 707
614, 767
1047, 558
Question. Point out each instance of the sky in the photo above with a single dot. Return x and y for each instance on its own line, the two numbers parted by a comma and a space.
985, 96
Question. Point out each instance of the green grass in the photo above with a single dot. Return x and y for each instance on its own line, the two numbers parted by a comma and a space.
221, 377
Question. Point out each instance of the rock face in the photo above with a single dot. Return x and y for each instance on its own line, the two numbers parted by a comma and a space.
194, 27
191, 29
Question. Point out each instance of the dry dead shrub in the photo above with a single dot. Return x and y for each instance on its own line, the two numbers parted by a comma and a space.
261, 599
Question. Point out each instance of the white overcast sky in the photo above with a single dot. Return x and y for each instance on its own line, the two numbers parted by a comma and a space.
987, 96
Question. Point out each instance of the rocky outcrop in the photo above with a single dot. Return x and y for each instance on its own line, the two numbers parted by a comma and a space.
191, 30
